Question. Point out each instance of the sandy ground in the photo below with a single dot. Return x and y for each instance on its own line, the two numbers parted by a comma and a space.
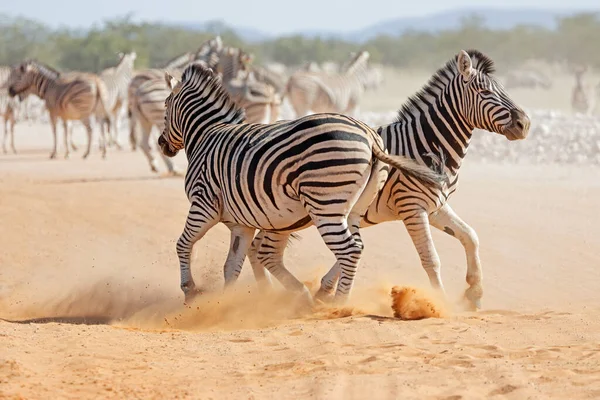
88, 268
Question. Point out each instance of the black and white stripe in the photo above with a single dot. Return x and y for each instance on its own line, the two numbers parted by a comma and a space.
434, 128
323, 169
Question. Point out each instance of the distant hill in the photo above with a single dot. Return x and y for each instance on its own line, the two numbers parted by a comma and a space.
447, 20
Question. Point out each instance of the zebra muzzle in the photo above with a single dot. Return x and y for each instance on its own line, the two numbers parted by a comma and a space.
165, 147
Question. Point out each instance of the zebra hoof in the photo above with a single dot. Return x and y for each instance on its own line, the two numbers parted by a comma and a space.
324, 296
191, 295
52, 156
85, 155
473, 297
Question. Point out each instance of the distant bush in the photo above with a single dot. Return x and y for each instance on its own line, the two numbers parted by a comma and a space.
574, 41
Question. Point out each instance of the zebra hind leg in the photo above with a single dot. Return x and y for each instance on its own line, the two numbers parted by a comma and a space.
201, 218
445, 219
338, 237
268, 254
331, 278
145, 144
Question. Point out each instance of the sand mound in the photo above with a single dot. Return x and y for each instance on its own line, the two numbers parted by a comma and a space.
412, 304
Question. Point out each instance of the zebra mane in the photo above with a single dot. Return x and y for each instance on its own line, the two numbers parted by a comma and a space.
41, 66
198, 75
440, 79
361, 58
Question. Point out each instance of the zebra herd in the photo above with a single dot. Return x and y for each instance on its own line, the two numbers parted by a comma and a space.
252, 171
331, 171
122, 91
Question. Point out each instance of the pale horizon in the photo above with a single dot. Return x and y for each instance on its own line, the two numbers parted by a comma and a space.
266, 16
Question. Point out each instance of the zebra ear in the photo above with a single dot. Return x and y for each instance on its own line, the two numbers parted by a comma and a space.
465, 64
171, 81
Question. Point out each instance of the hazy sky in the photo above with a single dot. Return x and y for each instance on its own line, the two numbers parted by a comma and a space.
271, 16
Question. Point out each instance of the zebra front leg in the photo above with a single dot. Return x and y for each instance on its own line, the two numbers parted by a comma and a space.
339, 239
419, 230
53, 126
145, 145
262, 278
202, 216
241, 238
66, 137
115, 130
5, 134
70, 130
445, 219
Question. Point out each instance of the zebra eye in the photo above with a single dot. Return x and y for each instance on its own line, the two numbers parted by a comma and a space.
486, 92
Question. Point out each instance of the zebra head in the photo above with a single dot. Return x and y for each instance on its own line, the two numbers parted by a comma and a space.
196, 102
21, 79
484, 102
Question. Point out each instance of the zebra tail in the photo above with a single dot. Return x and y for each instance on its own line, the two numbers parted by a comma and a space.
410, 166
101, 109
293, 237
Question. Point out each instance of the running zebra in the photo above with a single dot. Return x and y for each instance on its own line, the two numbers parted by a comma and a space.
116, 79
321, 92
323, 169
71, 96
434, 126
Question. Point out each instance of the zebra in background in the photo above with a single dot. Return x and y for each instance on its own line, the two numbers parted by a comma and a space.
258, 99
321, 92
434, 127
71, 96
207, 53
323, 169
116, 79
8, 108
147, 105
579, 99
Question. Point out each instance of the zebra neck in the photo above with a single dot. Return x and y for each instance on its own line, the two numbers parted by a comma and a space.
42, 83
429, 134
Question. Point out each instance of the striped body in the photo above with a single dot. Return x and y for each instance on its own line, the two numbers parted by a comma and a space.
116, 81
69, 96
323, 169
434, 128
321, 92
